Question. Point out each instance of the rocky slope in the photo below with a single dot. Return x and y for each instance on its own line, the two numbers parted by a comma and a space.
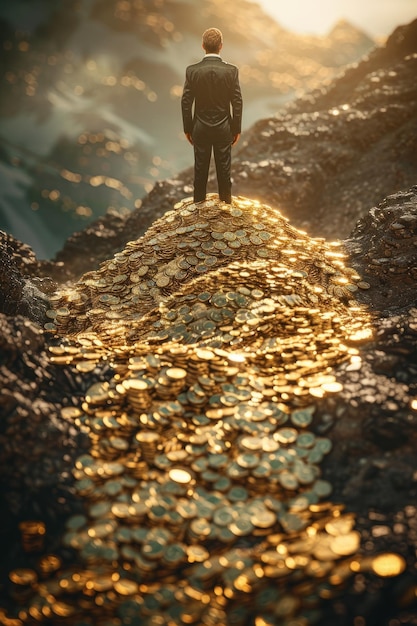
89, 105
341, 149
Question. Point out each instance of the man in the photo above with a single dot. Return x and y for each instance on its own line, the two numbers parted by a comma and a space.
212, 86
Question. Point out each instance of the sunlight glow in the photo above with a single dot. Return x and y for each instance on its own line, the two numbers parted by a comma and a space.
375, 17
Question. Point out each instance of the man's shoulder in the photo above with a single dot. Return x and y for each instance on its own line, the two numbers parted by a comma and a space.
230, 69
234, 67
204, 62
194, 66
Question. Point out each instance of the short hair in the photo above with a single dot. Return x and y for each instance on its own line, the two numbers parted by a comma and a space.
212, 40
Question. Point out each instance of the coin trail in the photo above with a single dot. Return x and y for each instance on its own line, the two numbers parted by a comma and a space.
203, 498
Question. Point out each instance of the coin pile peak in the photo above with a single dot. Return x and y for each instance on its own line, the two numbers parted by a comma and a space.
201, 241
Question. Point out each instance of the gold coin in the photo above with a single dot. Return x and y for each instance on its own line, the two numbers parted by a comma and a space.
147, 437
332, 387
241, 527
70, 412
197, 554
247, 460
121, 509
102, 583
162, 280
141, 271
286, 435
388, 564
251, 443
340, 525
345, 545
264, 519
200, 527
136, 384
23, 576
322, 488
180, 476
62, 609
86, 366
126, 587
176, 373
224, 516
302, 417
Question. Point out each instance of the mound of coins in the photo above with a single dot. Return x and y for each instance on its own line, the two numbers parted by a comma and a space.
192, 241
203, 499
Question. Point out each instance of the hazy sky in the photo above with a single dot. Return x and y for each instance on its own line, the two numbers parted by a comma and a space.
376, 17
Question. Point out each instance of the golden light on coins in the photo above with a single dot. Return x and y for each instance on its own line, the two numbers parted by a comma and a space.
388, 564
218, 330
180, 476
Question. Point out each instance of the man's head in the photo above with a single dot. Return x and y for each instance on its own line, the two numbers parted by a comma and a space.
212, 40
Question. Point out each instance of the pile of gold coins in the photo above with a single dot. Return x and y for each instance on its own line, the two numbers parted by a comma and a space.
203, 497
199, 241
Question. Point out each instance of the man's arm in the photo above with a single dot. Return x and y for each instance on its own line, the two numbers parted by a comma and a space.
237, 108
187, 101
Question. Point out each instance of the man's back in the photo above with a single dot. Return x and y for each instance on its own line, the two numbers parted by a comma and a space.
212, 115
214, 85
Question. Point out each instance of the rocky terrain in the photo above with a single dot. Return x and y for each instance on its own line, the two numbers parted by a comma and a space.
339, 150
85, 85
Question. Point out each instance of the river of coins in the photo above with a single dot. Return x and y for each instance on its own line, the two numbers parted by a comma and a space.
203, 498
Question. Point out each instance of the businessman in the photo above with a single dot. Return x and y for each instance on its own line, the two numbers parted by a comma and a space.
212, 115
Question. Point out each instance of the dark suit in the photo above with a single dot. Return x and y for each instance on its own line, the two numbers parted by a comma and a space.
212, 86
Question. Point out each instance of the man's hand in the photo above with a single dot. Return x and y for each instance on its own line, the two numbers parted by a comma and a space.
189, 138
235, 139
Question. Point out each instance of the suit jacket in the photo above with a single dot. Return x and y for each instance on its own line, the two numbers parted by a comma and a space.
212, 85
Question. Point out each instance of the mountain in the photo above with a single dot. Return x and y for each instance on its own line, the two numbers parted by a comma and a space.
89, 105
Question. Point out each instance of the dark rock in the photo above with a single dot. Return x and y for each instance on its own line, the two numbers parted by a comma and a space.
38, 448
386, 432
383, 248
21, 292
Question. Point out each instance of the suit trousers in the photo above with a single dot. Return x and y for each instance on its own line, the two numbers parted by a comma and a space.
219, 140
